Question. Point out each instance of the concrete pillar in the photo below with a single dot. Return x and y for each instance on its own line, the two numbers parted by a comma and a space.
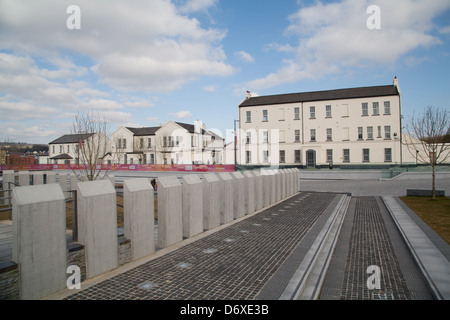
273, 186
192, 205
9, 179
97, 226
250, 192
139, 216
277, 185
170, 212
38, 178
259, 186
63, 182
24, 178
267, 188
73, 181
289, 179
297, 179
50, 177
226, 197
39, 239
211, 201
239, 204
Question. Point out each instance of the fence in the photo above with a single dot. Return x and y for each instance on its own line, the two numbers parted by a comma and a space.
186, 207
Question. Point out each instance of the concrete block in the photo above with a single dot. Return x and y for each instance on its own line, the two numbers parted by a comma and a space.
273, 186
226, 197
259, 187
192, 205
50, 177
9, 179
278, 185
170, 212
63, 180
24, 178
139, 216
211, 201
39, 239
290, 182
239, 203
250, 195
73, 181
38, 178
97, 226
266, 177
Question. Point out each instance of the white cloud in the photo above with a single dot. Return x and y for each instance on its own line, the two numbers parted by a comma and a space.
133, 45
181, 114
244, 56
334, 37
210, 88
197, 5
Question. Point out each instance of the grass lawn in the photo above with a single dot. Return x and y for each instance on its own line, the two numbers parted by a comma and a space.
436, 213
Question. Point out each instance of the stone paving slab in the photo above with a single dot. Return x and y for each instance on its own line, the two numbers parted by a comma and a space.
233, 263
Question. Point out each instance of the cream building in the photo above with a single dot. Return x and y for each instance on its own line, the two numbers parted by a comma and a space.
345, 127
171, 143
79, 149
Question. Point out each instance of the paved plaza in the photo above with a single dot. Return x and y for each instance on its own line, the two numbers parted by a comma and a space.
256, 258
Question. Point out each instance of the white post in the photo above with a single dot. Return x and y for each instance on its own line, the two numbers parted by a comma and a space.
239, 195
211, 201
97, 226
39, 239
226, 198
250, 191
170, 212
192, 205
139, 216
259, 187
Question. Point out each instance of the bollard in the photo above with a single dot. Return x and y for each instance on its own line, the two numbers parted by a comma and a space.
239, 202
211, 201
250, 192
192, 205
226, 197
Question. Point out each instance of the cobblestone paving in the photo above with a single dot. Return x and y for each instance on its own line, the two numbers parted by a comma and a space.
233, 263
369, 245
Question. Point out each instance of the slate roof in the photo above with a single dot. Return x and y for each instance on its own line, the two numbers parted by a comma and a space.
71, 138
150, 131
339, 94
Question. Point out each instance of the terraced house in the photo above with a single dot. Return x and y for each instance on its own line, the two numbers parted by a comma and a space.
344, 127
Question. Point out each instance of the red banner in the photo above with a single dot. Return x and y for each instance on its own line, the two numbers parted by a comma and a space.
124, 167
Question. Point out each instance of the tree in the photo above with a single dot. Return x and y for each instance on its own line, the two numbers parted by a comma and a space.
93, 145
427, 137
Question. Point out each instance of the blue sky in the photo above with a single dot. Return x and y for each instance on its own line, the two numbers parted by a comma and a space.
143, 63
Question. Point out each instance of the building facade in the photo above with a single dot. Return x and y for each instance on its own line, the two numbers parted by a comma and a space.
171, 143
345, 127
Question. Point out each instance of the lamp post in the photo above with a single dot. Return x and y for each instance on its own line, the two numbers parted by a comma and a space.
235, 142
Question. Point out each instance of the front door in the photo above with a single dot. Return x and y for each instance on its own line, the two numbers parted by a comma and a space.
310, 158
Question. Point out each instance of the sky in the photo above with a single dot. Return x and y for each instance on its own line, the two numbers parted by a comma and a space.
141, 63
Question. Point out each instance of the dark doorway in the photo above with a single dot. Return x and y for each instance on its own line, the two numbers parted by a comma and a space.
310, 159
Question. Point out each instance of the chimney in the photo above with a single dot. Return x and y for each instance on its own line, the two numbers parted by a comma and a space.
248, 95
197, 126
396, 84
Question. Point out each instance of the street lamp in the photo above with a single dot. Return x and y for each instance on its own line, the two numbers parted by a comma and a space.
235, 142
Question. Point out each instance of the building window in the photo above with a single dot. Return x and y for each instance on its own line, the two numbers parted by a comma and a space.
366, 155
124, 143
346, 155
249, 138
345, 134
387, 107
329, 134
297, 113
265, 115
379, 132
297, 155
365, 109
387, 132
170, 141
53, 149
265, 136
152, 159
249, 116
68, 148
328, 111
313, 135
345, 110
249, 157
282, 136
376, 109
369, 133
388, 155
282, 156
312, 112
149, 143
281, 113
266, 156
330, 155
60, 149
164, 141
297, 135
141, 143
360, 133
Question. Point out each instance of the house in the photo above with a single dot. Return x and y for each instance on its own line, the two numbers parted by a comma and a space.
171, 143
81, 148
347, 127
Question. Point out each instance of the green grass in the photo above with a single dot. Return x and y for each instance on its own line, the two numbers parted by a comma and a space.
436, 213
